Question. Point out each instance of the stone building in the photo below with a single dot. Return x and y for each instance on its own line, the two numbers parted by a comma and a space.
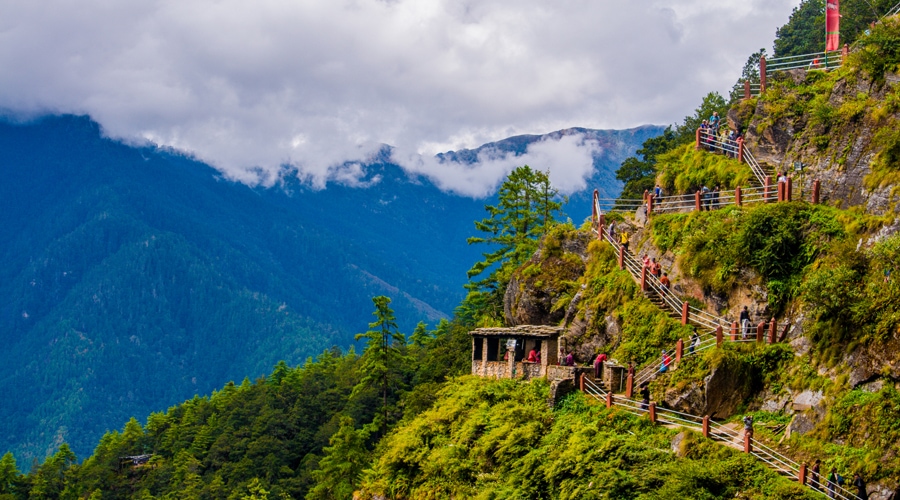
503, 353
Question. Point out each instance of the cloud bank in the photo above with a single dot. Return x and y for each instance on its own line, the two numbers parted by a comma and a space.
252, 86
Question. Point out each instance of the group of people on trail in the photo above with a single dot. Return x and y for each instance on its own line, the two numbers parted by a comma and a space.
716, 137
833, 481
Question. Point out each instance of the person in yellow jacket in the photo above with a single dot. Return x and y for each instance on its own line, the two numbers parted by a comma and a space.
624, 240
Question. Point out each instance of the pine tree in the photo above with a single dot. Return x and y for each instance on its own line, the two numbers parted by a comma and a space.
340, 468
528, 205
384, 357
9, 474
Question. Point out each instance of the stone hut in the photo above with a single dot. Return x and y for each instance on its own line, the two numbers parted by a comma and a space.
503, 352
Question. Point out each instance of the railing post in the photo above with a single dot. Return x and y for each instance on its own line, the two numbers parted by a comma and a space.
646, 194
801, 478
734, 331
643, 277
748, 443
845, 51
706, 426
679, 350
697, 143
815, 193
767, 188
685, 312
760, 331
601, 226
719, 336
649, 205
609, 399
629, 386
621, 257
652, 409
594, 206
740, 141
581, 383
780, 191
762, 74
697, 205
772, 331
738, 198
746, 89
788, 189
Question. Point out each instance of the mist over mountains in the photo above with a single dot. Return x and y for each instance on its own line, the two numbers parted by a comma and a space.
132, 278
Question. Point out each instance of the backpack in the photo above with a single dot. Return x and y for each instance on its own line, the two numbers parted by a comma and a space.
840, 479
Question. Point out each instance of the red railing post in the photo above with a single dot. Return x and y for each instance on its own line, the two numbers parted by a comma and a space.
653, 412
643, 278
762, 74
581, 383
760, 331
801, 478
697, 143
734, 331
621, 257
780, 191
748, 444
719, 336
629, 386
746, 89
815, 193
594, 207
772, 331
697, 205
685, 313
738, 198
649, 205
706, 426
767, 188
679, 350
788, 189
601, 227
609, 399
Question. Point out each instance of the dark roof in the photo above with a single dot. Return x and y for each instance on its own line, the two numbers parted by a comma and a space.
520, 331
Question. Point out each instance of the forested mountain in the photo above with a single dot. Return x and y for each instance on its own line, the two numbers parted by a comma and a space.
132, 278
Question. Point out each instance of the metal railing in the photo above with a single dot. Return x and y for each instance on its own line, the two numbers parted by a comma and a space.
816, 60
717, 432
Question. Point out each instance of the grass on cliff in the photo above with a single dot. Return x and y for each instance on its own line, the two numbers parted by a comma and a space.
498, 439
685, 170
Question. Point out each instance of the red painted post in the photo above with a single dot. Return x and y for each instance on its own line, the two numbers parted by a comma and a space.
788, 189
697, 201
653, 412
594, 206
767, 190
621, 257
762, 74
601, 226
629, 386
609, 399
643, 277
748, 444
740, 142
697, 143
845, 51
649, 205
685, 313
719, 336
815, 193
581, 383
706, 426
738, 198
746, 89
679, 350
801, 478
780, 192
760, 329
772, 331
734, 331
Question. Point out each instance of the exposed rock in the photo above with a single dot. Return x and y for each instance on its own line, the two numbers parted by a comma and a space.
560, 389
802, 423
775, 402
718, 395
874, 360
678, 447
807, 399
879, 491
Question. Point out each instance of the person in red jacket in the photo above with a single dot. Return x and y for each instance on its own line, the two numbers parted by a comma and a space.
598, 364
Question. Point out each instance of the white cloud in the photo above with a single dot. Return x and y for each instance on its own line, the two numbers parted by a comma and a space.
317, 83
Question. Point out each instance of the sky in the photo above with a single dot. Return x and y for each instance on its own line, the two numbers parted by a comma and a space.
251, 87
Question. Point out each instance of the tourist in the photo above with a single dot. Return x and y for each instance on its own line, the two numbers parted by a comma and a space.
655, 267
861, 492
657, 193
532, 356
570, 359
715, 198
748, 426
598, 364
705, 198
830, 483
630, 371
645, 396
664, 281
666, 361
695, 341
745, 323
645, 261
624, 241
814, 476
714, 123
612, 230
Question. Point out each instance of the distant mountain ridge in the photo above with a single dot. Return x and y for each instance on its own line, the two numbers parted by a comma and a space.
132, 278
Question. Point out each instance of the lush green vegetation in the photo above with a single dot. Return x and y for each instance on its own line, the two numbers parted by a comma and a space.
685, 170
